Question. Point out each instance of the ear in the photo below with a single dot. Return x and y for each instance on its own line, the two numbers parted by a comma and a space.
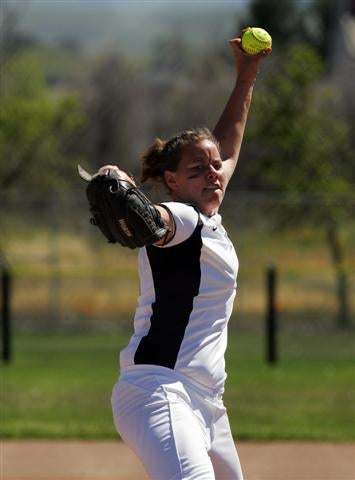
170, 180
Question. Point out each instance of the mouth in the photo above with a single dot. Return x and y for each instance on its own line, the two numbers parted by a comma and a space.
213, 187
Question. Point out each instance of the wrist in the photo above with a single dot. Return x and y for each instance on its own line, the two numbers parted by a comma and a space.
249, 74
246, 80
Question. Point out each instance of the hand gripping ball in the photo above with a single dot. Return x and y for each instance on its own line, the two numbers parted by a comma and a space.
255, 40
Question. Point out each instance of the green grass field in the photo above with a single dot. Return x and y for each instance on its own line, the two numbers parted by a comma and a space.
59, 386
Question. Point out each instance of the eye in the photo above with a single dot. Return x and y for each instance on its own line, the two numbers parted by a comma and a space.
195, 171
217, 165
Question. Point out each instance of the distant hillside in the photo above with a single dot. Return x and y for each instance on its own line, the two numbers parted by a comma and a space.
132, 25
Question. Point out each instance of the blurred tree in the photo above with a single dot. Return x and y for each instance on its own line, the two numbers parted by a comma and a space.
293, 124
291, 21
115, 107
205, 94
12, 39
320, 19
187, 87
36, 126
283, 20
168, 78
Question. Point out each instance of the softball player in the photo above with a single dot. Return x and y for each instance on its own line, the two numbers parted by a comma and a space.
167, 404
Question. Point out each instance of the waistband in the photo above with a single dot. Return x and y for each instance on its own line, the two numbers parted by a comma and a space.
133, 372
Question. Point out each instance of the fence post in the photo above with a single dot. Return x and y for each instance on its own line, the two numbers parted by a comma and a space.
271, 316
6, 312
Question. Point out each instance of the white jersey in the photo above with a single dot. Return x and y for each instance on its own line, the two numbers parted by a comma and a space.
187, 289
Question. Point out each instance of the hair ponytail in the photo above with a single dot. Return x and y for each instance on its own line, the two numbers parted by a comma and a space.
153, 161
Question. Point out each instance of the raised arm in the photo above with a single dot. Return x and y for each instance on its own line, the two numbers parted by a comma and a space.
230, 128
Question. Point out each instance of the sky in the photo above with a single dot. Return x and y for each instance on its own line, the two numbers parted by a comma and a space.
133, 24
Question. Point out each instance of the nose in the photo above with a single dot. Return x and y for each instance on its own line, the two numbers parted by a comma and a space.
212, 173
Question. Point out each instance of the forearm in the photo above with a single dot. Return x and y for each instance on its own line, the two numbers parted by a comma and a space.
230, 128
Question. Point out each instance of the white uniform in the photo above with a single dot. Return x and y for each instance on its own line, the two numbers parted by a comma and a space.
168, 403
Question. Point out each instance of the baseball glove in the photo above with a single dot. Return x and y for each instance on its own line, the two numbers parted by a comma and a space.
121, 211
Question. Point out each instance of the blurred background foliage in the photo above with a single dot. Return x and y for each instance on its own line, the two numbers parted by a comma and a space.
122, 97
68, 95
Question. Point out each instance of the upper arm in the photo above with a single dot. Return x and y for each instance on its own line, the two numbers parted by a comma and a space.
229, 167
181, 219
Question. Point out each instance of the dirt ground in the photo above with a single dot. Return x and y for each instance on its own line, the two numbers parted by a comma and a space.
109, 460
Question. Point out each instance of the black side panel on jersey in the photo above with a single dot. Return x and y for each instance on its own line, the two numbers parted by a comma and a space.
176, 275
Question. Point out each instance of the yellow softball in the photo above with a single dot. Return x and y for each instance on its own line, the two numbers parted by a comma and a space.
255, 40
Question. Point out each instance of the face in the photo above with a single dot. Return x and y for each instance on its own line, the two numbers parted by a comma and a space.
199, 178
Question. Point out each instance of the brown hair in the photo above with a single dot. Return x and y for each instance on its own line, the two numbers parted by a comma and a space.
165, 154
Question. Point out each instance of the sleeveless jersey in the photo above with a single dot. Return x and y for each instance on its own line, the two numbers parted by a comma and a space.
187, 289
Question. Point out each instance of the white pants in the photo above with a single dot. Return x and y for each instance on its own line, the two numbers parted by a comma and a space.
179, 431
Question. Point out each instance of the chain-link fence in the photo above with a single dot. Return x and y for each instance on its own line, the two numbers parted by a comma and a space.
65, 276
